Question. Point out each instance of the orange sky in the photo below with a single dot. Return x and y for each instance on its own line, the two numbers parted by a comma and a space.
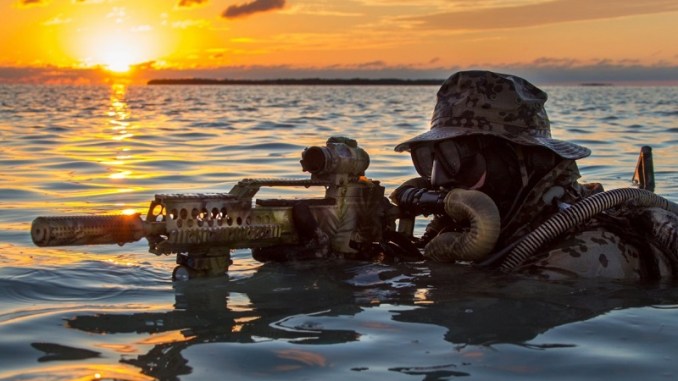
66, 40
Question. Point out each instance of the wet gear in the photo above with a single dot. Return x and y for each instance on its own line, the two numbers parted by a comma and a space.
490, 133
489, 164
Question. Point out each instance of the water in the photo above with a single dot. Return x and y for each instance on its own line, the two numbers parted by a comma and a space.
112, 312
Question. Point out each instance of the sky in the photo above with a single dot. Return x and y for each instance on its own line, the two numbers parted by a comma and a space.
547, 41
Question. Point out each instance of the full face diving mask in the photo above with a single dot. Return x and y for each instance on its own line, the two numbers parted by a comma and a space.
479, 162
458, 162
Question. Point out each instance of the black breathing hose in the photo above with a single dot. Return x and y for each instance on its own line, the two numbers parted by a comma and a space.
578, 213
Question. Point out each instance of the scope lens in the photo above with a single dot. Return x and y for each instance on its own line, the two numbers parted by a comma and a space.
313, 159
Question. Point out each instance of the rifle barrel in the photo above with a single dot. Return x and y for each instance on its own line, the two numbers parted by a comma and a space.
87, 230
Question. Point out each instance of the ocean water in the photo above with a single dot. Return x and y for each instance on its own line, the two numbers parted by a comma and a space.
110, 312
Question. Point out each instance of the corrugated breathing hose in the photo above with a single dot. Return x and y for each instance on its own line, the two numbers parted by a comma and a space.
578, 213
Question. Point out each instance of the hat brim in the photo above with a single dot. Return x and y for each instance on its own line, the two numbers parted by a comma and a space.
562, 148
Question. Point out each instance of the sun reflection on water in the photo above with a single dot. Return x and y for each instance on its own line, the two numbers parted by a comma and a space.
119, 114
100, 156
92, 371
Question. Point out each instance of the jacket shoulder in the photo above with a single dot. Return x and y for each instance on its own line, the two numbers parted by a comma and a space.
599, 253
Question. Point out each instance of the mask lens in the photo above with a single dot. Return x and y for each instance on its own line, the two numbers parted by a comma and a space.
422, 157
449, 155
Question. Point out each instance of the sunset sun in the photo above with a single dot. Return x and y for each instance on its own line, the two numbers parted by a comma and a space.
116, 49
118, 62
117, 52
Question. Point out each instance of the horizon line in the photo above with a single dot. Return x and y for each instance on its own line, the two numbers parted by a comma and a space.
617, 75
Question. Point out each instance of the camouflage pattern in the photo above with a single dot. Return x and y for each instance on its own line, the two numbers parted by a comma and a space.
606, 247
590, 254
534, 210
487, 103
617, 244
662, 224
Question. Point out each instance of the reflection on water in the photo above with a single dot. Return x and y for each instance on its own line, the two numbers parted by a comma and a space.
85, 372
322, 309
69, 313
121, 128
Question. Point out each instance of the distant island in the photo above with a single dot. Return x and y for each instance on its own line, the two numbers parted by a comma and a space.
292, 81
595, 84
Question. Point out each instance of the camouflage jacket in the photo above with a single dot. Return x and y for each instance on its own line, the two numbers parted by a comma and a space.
615, 244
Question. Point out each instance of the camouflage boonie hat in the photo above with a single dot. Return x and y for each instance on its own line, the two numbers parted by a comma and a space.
487, 103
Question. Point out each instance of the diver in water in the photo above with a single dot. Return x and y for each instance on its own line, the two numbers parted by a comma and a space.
510, 194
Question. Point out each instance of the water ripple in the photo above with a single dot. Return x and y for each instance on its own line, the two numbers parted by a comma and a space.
103, 149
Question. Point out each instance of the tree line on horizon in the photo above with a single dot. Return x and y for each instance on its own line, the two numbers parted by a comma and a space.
295, 81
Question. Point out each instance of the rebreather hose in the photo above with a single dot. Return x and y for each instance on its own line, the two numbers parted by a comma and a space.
578, 213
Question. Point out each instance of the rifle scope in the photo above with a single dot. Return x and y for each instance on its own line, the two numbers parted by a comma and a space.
339, 156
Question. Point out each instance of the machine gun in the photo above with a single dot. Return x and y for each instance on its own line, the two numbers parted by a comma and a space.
353, 219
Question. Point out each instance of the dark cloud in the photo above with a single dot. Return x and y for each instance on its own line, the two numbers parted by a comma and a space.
569, 71
28, 3
190, 3
555, 62
542, 13
51, 75
255, 6
372, 64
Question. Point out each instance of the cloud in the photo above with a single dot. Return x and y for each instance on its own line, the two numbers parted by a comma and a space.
190, 3
29, 3
321, 9
372, 65
142, 28
118, 13
555, 62
51, 75
542, 13
542, 71
255, 6
185, 24
58, 20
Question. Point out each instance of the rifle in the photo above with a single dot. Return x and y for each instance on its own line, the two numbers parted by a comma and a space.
353, 219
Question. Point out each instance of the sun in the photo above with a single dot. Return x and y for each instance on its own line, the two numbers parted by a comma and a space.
118, 65
116, 51
118, 54
118, 68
